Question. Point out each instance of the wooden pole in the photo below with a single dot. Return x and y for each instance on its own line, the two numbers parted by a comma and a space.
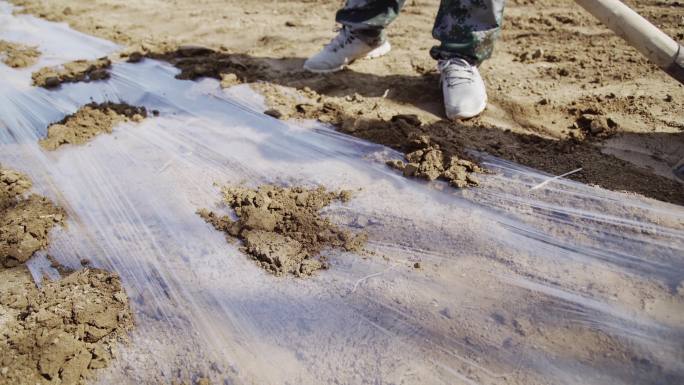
639, 33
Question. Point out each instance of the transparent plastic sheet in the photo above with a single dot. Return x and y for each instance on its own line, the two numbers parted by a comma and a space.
564, 284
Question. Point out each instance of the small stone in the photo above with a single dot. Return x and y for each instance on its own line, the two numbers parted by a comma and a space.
135, 57
52, 82
273, 113
416, 265
99, 74
537, 53
563, 72
137, 118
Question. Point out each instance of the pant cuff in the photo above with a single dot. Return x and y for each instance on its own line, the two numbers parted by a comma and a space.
439, 52
370, 36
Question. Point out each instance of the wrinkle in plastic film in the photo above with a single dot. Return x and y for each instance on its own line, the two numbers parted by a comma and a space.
566, 284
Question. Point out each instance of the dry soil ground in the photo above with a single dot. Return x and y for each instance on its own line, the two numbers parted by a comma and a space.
556, 72
565, 93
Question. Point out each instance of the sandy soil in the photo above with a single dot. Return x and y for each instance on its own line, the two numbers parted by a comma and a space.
565, 92
25, 221
426, 160
76, 71
61, 333
17, 55
282, 228
89, 121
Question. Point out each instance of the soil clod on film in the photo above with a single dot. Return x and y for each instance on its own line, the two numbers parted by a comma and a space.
89, 121
63, 332
25, 221
282, 228
135, 57
273, 113
18, 55
426, 160
72, 72
197, 62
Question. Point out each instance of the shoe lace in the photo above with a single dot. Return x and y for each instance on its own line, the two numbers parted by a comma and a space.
344, 37
456, 71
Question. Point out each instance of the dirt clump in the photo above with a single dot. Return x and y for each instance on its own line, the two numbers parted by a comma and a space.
17, 55
427, 161
197, 62
62, 333
424, 158
72, 72
593, 123
282, 228
89, 121
134, 57
12, 185
25, 221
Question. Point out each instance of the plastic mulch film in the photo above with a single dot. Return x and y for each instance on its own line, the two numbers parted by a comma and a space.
564, 284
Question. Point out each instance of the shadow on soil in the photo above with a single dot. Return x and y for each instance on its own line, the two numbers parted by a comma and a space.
549, 155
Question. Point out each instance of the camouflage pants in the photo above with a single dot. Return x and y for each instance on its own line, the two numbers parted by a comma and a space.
465, 28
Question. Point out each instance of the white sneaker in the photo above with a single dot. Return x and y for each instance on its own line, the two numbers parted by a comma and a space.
343, 50
464, 90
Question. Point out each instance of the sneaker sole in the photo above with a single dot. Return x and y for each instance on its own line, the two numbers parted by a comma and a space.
382, 50
469, 115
